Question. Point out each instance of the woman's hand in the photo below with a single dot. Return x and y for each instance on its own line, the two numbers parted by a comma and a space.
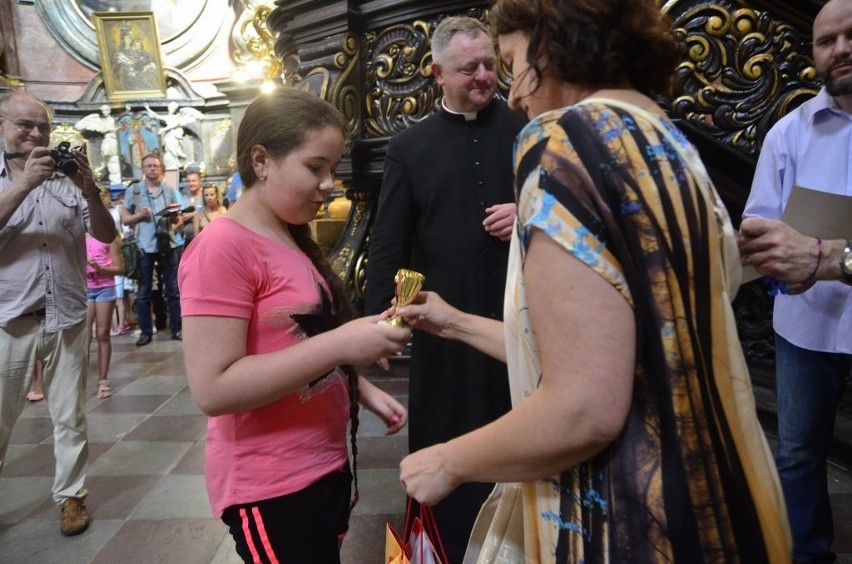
424, 477
430, 313
383, 405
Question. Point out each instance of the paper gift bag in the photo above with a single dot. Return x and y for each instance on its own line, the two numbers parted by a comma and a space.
394, 547
422, 549
417, 545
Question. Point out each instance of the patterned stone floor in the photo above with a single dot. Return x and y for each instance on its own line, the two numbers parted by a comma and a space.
148, 502
147, 497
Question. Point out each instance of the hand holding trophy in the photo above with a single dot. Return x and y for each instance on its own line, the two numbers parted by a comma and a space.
408, 284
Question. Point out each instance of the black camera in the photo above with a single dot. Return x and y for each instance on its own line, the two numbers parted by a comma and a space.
65, 162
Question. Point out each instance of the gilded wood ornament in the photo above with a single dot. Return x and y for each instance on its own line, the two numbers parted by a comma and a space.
741, 70
348, 257
400, 90
331, 72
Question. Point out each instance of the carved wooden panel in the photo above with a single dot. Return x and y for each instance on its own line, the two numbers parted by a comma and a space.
743, 66
399, 86
741, 70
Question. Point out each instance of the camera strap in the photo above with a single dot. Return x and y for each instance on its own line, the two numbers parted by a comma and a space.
166, 221
136, 204
8, 155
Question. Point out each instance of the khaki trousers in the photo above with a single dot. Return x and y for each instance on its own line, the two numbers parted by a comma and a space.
64, 356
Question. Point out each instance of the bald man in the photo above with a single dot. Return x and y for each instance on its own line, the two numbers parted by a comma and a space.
44, 216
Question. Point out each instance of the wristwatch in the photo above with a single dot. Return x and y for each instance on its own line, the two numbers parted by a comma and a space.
846, 263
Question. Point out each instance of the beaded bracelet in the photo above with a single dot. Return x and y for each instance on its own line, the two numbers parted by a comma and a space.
819, 260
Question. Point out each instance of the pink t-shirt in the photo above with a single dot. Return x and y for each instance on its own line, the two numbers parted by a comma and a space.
100, 252
230, 271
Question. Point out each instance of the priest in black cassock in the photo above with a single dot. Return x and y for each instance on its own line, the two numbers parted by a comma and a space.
446, 209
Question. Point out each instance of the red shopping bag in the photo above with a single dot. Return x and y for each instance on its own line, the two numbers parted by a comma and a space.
419, 541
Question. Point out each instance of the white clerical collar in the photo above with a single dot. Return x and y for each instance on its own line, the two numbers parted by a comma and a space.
468, 116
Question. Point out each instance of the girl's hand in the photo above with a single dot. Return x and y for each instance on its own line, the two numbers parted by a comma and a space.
382, 404
364, 341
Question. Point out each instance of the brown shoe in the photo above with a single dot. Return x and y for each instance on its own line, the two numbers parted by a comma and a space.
74, 519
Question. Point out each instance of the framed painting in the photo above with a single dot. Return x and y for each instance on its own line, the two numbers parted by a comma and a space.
129, 48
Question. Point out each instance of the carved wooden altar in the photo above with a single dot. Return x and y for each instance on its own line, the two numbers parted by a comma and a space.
744, 65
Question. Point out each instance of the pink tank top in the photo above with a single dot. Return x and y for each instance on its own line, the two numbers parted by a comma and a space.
100, 252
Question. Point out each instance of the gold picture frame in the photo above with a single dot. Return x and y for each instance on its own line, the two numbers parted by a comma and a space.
129, 49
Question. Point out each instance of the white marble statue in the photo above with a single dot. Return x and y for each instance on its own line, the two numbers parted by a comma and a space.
104, 124
172, 133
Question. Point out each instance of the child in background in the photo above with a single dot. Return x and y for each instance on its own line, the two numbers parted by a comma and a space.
104, 264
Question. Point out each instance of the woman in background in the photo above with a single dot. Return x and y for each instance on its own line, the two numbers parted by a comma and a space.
269, 345
634, 432
210, 210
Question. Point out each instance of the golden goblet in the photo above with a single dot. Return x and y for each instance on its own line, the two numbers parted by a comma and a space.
408, 284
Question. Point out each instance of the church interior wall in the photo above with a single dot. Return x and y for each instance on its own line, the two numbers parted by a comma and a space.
31, 52
49, 48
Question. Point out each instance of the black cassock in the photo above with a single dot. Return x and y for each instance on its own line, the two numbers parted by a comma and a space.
440, 176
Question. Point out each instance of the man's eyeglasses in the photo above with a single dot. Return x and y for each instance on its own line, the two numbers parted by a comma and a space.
26, 126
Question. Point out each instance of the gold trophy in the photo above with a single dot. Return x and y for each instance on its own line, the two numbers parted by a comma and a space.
408, 284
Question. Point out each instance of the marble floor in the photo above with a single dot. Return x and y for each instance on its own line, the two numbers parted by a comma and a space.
147, 497
148, 502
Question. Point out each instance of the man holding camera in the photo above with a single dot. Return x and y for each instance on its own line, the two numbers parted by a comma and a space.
44, 216
153, 209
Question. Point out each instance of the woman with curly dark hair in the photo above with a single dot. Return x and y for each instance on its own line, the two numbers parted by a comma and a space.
634, 434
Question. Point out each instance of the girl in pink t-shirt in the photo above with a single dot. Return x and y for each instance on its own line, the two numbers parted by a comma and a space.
104, 263
268, 346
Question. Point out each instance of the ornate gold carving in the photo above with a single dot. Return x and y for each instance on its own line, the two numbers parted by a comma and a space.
350, 248
67, 132
741, 70
342, 259
400, 90
253, 40
359, 275
336, 82
346, 95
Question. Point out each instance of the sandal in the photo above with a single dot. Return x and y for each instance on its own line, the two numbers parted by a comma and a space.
104, 389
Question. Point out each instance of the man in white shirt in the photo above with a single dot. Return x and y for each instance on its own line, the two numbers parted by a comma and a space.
813, 322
